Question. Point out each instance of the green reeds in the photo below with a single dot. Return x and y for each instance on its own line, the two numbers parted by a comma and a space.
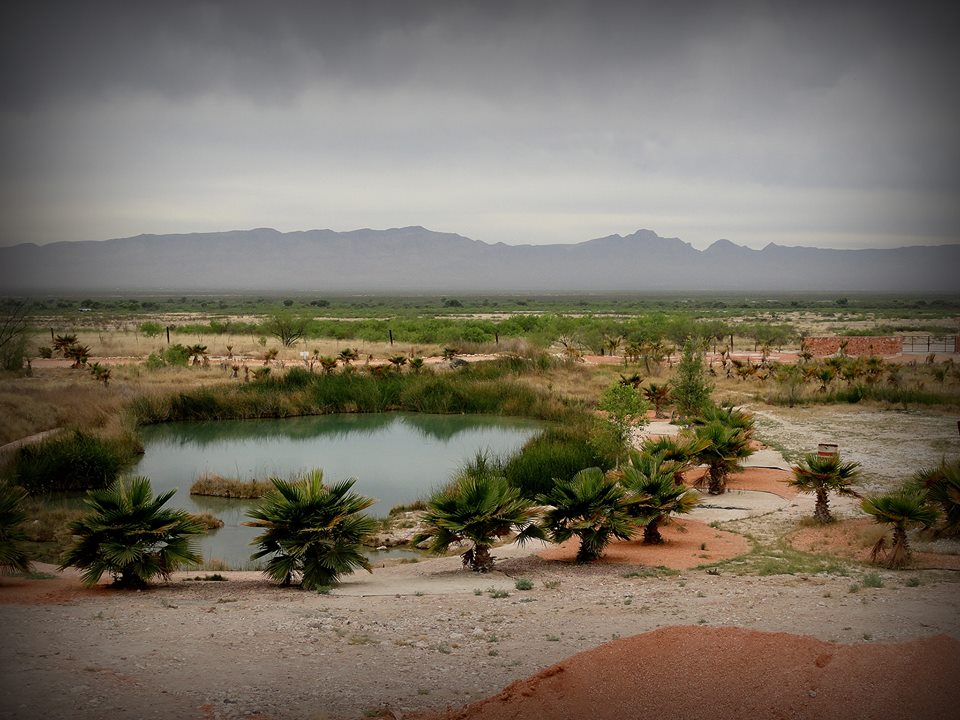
74, 461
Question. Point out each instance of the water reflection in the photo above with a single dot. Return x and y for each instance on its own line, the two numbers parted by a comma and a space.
396, 458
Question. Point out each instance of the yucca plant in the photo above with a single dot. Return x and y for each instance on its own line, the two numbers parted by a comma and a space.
479, 507
130, 535
588, 506
311, 530
723, 449
824, 474
13, 558
942, 484
905, 508
655, 494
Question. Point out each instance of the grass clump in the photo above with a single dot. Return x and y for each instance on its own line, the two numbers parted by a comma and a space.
872, 580
219, 486
206, 520
73, 461
555, 453
780, 559
523, 584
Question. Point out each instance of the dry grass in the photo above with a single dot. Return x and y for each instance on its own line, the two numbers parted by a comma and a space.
220, 486
207, 521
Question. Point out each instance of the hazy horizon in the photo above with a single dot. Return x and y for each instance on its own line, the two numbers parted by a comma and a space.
818, 125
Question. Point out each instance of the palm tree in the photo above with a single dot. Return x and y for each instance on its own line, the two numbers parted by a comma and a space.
942, 484
78, 353
416, 364
12, 556
723, 448
62, 342
905, 508
650, 478
659, 395
311, 530
823, 474
727, 415
589, 506
479, 507
682, 450
348, 355
398, 361
198, 354
131, 536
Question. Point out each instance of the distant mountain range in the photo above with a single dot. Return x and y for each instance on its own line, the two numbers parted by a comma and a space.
414, 260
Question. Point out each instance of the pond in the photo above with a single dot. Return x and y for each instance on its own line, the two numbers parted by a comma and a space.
396, 458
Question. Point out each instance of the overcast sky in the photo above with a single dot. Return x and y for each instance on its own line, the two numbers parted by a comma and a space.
831, 124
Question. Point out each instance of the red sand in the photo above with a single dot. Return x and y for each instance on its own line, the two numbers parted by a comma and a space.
731, 674
772, 480
680, 551
855, 538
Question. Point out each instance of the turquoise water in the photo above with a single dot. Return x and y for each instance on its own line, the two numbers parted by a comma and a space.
396, 458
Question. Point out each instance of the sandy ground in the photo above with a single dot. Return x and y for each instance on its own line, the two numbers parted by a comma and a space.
431, 636
425, 637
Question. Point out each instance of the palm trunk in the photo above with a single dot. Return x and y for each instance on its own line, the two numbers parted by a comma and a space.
482, 560
900, 551
651, 533
718, 480
822, 509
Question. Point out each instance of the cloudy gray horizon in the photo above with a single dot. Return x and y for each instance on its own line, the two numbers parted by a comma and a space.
825, 124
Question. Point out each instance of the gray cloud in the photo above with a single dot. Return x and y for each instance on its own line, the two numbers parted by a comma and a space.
830, 124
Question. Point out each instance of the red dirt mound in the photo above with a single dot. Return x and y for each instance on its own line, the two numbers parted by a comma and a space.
732, 673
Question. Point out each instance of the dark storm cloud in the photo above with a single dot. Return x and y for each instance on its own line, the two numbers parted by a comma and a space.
511, 121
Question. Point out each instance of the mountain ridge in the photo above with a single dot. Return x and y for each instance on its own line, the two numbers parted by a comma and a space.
414, 259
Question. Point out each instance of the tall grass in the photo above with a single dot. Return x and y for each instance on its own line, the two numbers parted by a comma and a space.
861, 392
298, 392
557, 453
74, 461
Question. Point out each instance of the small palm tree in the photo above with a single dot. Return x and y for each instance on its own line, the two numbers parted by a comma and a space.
906, 508
589, 506
311, 530
824, 474
78, 353
62, 342
416, 364
130, 535
659, 395
348, 355
398, 361
479, 507
650, 478
13, 558
681, 449
942, 484
723, 449
329, 364
198, 354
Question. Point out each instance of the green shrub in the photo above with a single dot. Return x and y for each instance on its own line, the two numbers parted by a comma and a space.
523, 584
555, 453
73, 461
176, 354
